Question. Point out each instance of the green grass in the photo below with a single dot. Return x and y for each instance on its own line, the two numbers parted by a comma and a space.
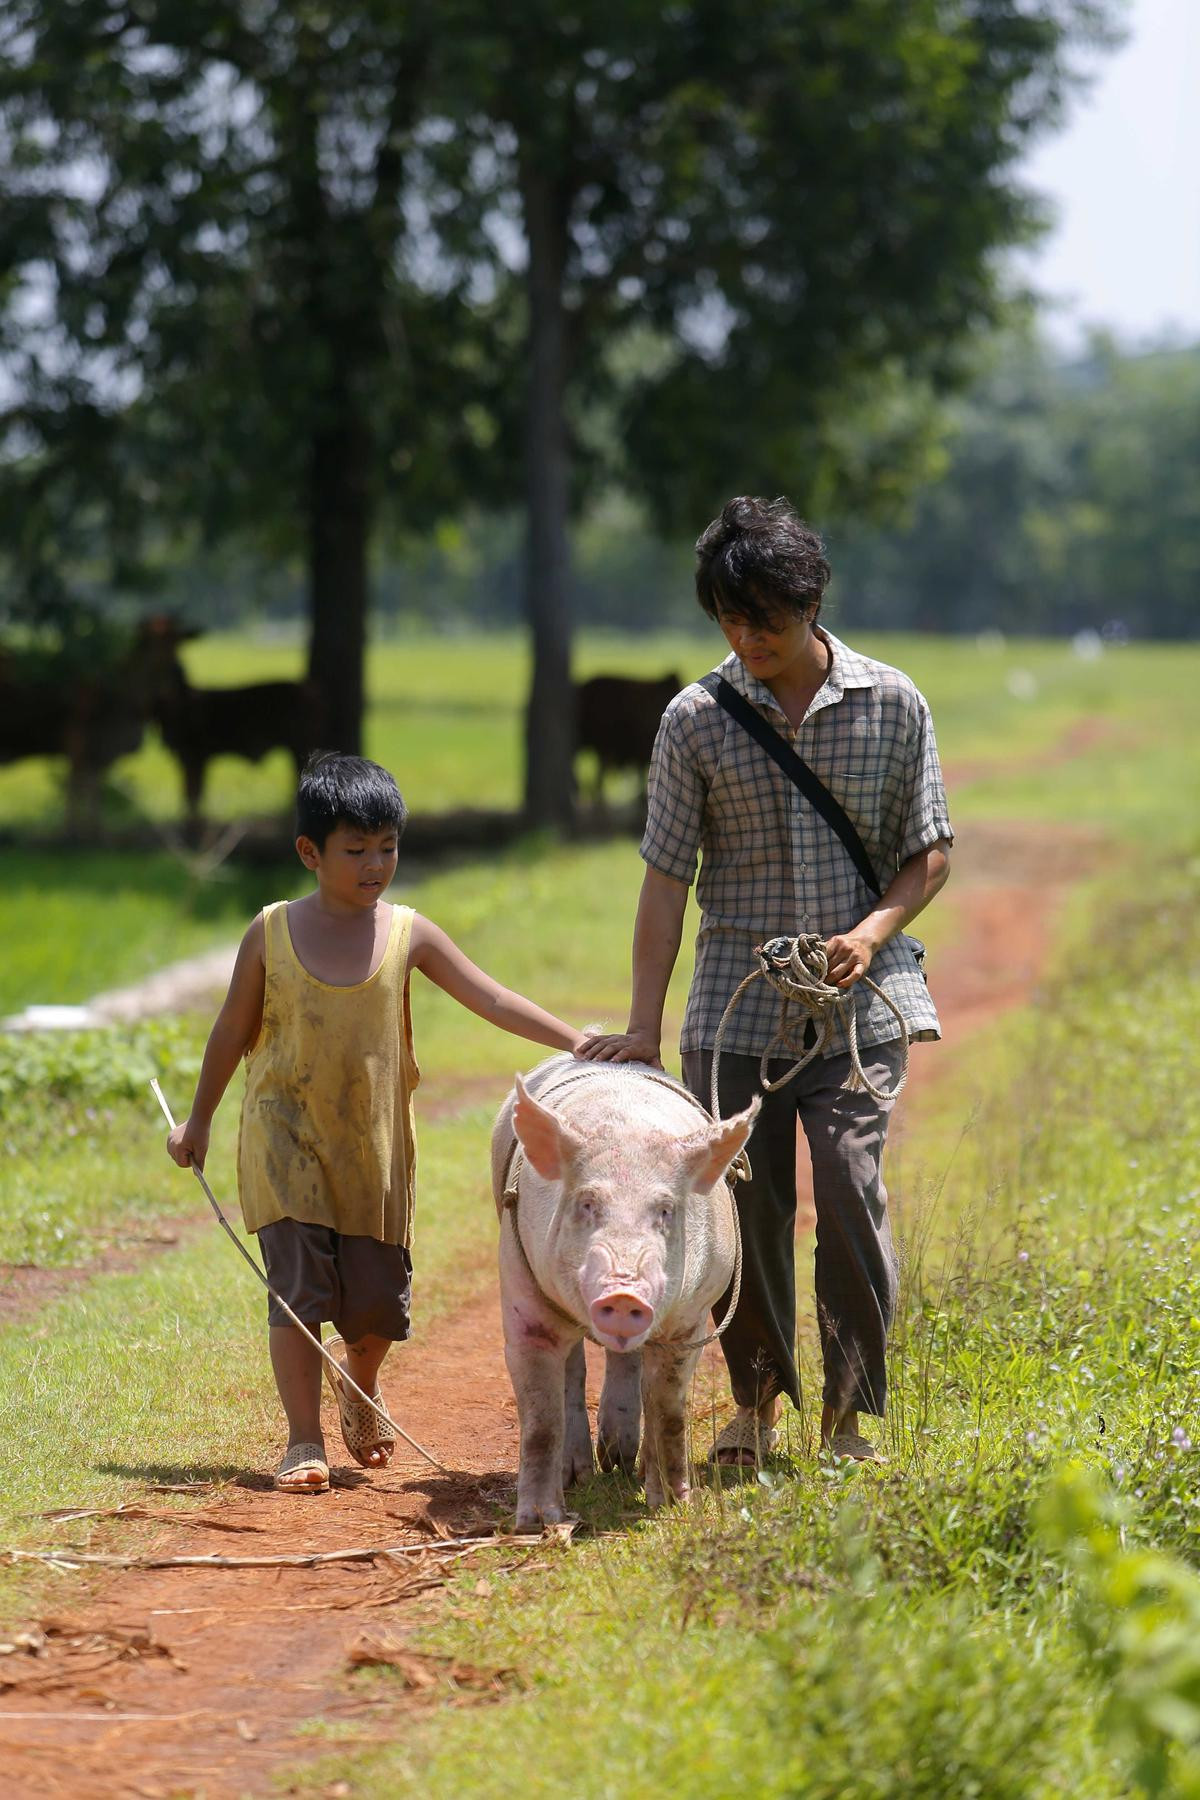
75, 921
444, 712
445, 716
909, 1630
81, 1133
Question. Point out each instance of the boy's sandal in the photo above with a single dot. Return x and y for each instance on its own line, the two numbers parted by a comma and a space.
303, 1470
743, 1443
362, 1429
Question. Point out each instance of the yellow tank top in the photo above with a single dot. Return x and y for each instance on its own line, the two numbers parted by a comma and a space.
327, 1130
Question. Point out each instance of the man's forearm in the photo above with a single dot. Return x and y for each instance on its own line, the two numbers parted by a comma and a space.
909, 892
913, 886
657, 935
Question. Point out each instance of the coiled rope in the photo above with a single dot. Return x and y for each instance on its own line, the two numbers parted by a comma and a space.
796, 968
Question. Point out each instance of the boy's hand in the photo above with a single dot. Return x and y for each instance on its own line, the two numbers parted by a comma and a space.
188, 1145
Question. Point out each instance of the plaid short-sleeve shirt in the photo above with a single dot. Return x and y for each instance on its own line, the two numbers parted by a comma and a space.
769, 863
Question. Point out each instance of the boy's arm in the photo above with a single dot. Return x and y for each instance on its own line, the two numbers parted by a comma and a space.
237, 1025
440, 958
657, 935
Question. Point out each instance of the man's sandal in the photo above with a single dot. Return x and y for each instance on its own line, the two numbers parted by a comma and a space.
303, 1470
362, 1429
743, 1443
851, 1446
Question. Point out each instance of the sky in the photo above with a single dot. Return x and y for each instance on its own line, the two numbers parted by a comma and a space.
1123, 178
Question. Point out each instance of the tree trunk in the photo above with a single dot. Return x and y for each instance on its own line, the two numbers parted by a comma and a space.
339, 530
550, 715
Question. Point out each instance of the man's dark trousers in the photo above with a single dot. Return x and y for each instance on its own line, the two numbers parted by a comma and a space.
854, 1264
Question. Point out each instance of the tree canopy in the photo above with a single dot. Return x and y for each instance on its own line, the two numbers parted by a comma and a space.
281, 273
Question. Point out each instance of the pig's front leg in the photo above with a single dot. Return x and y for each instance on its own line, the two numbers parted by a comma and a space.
538, 1374
619, 1425
577, 1442
666, 1373
537, 1344
536, 1349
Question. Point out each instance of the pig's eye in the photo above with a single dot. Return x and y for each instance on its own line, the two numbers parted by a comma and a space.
665, 1216
585, 1208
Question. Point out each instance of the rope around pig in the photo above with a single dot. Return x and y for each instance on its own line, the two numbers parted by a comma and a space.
739, 1170
340, 1371
796, 968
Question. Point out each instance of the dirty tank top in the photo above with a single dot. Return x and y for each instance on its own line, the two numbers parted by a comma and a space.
327, 1131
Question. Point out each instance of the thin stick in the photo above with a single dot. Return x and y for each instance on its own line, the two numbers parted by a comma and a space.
449, 1547
339, 1369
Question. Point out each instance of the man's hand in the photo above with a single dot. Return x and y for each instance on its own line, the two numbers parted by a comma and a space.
188, 1144
850, 954
621, 1046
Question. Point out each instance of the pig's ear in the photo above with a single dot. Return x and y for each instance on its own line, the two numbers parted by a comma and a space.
548, 1144
707, 1158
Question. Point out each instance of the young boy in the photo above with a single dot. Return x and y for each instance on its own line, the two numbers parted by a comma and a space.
318, 1006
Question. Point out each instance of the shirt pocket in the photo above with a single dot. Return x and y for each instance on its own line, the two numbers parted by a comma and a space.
844, 753
857, 792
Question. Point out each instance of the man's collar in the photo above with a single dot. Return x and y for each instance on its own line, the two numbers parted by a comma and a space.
846, 670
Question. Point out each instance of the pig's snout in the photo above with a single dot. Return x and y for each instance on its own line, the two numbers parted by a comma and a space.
621, 1317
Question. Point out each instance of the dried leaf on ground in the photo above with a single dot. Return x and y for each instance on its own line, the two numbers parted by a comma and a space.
420, 1670
77, 1651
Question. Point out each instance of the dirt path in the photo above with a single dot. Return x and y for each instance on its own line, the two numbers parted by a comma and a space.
195, 1681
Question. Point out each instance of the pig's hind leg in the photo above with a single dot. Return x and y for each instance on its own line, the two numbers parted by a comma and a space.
577, 1438
619, 1425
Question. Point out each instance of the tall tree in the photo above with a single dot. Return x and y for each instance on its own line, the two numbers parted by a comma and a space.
795, 199
208, 238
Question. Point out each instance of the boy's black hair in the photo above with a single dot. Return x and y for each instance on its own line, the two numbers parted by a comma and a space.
760, 559
346, 790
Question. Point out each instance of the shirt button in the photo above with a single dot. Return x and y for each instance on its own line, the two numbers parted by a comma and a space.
802, 865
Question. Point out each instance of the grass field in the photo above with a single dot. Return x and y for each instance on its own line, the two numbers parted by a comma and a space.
445, 716
962, 1622
444, 713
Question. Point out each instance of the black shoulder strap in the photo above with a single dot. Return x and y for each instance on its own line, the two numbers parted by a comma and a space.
798, 771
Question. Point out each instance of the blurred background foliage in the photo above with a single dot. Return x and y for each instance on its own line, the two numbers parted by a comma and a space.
449, 312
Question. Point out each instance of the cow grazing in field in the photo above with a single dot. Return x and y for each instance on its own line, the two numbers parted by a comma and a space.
90, 719
199, 723
617, 1223
617, 718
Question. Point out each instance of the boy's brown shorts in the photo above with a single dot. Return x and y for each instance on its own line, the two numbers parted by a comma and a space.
357, 1283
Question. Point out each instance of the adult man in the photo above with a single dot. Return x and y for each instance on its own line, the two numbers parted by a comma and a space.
772, 865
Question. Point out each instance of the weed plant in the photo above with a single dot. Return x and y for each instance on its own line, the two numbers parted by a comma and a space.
954, 1621
74, 924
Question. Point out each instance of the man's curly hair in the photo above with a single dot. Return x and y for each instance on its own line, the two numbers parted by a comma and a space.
758, 560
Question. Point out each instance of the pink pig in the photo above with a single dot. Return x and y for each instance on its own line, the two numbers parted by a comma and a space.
618, 1224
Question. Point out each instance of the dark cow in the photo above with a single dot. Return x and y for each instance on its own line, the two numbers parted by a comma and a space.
199, 723
617, 718
90, 719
